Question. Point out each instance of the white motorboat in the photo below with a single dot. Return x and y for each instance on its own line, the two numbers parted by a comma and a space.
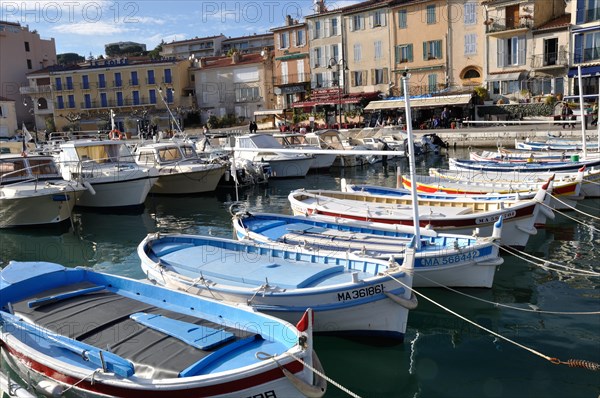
180, 169
32, 191
109, 168
330, 139
298, 141
263, 148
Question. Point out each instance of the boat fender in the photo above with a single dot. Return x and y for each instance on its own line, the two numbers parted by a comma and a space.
89, 187
497, 231
547, 212
49, 388
409, 304
316, 390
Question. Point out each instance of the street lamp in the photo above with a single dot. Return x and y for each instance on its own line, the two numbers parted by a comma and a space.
340, 66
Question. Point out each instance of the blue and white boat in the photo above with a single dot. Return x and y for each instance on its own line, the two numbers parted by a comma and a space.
540, 167
76, 332
349, 294
443, 260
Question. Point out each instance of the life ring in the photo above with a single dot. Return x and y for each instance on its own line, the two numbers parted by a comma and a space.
115, 135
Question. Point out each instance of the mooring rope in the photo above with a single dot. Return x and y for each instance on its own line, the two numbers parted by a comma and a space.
264, 355
497, 304
570, 270
572, 208
90, 376
579, 363
570, 217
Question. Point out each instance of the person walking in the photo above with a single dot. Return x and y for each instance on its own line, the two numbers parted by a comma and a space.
445, 119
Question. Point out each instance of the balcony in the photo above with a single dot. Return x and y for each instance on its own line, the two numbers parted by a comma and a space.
112, 103
508, 25
292, 79
28, 90
550, 60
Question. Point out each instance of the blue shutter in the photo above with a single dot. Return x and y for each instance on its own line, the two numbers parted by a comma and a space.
580, 12
578, 50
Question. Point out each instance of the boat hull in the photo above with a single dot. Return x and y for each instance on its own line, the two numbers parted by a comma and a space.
118, 192
289, 168
49, 208
173, 183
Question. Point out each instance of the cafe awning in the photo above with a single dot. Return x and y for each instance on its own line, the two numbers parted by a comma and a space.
427, 102
332, 98
266, 112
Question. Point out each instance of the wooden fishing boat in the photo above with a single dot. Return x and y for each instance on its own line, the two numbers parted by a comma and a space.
81, 333
590, 184
349, 294
528, 167
443, 259
461, 217
568, 193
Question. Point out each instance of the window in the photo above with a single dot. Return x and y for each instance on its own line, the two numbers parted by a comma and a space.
495, 87
284, 40
591, 48
134, 78
470, 43
317, 56
87, 99
60, 102
300, 70
245, 94
404, 53
431, 19
317, 30
1, 111
119, 98
58, 84
510, 86
379, 76
402, 23
29, 64
27, 46
472, 74
357, 78
432, 49
101, 81
550, 51
378, 53
511, 51
152, 96
470, 17
334, 27
335, 53
103, 100
151, 79
300, 38
432, 82
169, 95
136, 97
69, 82
378, 19
357, 22
587, 11
284, 72
168, 78
357, 52
71, 99
118, 81
318, 80
85, 82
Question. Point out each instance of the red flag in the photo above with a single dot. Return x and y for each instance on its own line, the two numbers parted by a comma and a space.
302, 324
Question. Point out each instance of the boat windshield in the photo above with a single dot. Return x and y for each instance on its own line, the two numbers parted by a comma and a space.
20, 168
104, 153
188, 152
12, 169
170, 154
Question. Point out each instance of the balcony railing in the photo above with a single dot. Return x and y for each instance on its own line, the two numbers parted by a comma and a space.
291, 79
591, 15
559, 58
503, 24
35, 89
112, 103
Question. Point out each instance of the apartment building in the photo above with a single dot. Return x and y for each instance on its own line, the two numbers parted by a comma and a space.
420, 45
238, 85
291, 76
248, 44
585, 18
197, 47
132, 87
510, 27
22, 51
466, 45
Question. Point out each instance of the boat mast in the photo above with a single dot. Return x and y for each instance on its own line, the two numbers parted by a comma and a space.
582, 113
411, 160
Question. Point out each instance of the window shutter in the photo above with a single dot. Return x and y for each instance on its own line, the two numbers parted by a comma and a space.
352, 80
350, 24
522, 50
327, 28
439, 52
371, 20
277, 42
410, 53
467, 44
425, 55
397, 54
500, 44
294, 38
386, 78
372, 77
340, 56
311, 33
578, 50
383, 19
364, 74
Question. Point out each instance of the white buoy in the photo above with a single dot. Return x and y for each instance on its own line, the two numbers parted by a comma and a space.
89, 187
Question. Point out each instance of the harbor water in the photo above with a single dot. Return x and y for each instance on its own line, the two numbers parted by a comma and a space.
443, 355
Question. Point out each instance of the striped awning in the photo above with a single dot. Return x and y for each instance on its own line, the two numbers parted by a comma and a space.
429, 102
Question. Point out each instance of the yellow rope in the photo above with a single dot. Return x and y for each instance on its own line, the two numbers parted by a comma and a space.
571, 362
571, 218
573, 208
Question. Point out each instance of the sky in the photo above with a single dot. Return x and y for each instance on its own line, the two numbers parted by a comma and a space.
84, 27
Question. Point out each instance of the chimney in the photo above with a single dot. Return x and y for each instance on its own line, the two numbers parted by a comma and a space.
288, 20
202, 62
235, 57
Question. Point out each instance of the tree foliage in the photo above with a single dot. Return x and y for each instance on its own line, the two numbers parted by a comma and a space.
67, 59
